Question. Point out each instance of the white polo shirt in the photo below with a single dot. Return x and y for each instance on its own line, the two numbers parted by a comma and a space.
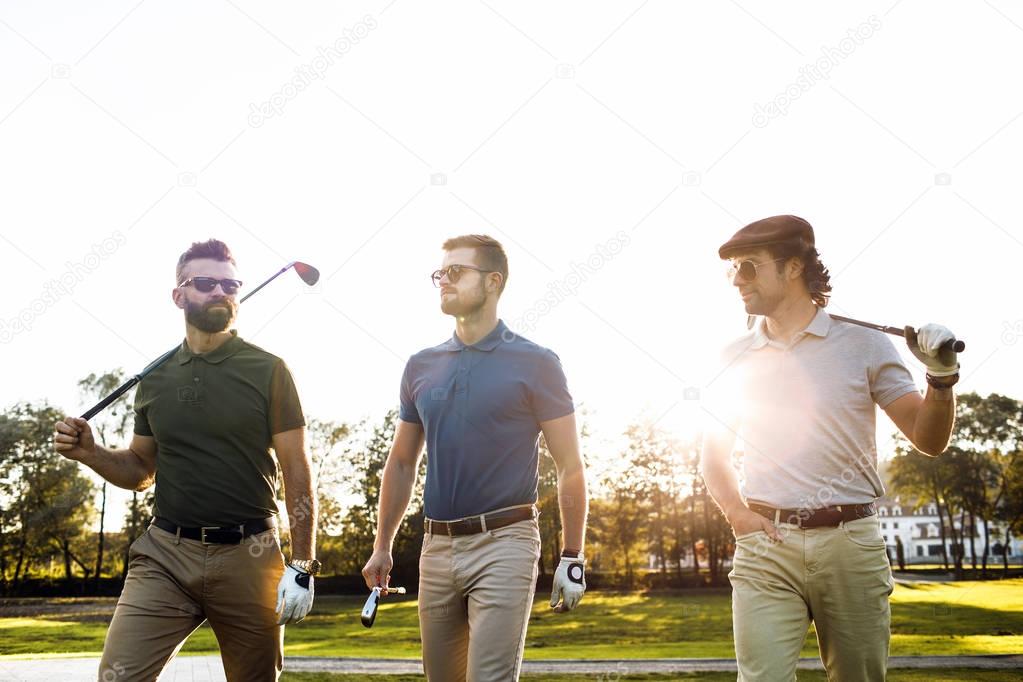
806, 411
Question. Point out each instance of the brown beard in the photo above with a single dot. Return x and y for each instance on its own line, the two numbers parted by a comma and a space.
209, 319
464, 308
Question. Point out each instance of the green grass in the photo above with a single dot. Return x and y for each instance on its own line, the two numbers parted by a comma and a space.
936, 619
948, 674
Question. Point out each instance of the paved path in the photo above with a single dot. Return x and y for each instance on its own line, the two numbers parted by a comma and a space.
209, 668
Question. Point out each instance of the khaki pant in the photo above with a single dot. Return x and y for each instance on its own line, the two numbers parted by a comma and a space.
174, 584
839, 578
475, 595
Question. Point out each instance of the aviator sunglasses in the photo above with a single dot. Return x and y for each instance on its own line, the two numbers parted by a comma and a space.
747, 269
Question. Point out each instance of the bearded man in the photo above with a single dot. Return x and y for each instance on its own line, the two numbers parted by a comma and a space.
480, 401
205, 424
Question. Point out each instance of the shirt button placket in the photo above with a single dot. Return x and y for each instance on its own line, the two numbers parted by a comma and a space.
196, 379
462, 382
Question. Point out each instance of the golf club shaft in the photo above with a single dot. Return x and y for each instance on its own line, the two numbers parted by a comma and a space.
952, 344
272, 278
127, 386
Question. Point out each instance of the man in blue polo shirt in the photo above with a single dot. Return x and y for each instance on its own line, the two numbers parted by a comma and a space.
480, 401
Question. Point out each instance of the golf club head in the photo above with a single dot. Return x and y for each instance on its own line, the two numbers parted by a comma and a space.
308, 273
369, 610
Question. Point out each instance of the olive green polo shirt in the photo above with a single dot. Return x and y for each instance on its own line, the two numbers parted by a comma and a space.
213, 416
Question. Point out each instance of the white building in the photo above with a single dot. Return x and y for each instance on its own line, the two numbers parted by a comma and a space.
919, 528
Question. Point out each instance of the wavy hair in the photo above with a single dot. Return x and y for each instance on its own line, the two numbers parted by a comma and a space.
815, 274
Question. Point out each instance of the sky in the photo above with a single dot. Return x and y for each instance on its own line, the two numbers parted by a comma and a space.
612, 147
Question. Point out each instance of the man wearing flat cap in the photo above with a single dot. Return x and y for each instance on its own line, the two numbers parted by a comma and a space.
799, 390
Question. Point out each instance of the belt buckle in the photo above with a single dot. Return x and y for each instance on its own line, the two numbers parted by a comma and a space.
800, 518
202, 533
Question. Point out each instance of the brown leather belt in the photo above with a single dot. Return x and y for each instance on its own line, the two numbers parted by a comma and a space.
815, 518
217, 535
481, 523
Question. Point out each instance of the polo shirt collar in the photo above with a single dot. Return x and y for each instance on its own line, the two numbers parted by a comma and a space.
218, 354
487, 343
819, 326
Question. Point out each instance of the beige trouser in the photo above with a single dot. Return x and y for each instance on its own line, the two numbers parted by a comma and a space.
475, 595
839, 578
174, 584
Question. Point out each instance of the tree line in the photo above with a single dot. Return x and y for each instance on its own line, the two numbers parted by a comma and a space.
652, 522
977, 482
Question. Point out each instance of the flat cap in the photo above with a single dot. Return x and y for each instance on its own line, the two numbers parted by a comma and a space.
779, 228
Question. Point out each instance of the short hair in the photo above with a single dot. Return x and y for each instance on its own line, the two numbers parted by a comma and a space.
815, 275
211, 248
490, 254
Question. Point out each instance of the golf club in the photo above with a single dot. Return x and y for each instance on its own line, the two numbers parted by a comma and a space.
309, 275
951, 345
369, 611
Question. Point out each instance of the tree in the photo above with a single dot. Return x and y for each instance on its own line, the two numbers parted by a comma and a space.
664, 467
46, 499
991, 430
974, 477
358, 526
331, 471
549, 520
619, 514
111, 429
1011, 509
928, 478
548, 504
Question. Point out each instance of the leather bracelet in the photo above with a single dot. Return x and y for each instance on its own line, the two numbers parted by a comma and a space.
936, 382
569, 554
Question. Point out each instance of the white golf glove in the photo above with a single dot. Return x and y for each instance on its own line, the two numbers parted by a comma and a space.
294, 596
926, 344
569, 584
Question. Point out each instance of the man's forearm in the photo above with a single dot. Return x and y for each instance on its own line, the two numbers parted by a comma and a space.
573, 504
723, 486
123, 468
933, 426
302, 509
395, 493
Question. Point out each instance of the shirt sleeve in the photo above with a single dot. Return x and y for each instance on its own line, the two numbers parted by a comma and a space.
407, 411
285, 406
142, 427
888, 375
549, 390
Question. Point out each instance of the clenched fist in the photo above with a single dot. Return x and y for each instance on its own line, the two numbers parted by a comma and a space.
73, 438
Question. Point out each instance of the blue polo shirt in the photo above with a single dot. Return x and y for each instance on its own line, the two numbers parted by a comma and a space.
481, 407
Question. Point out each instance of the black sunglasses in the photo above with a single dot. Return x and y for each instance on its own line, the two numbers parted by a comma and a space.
208, 284
453, 272
747, 269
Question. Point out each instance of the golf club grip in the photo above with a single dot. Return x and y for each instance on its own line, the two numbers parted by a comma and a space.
127, 385
98, 407
955, 345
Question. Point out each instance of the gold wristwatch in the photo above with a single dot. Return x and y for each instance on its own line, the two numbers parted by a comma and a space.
310, 566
